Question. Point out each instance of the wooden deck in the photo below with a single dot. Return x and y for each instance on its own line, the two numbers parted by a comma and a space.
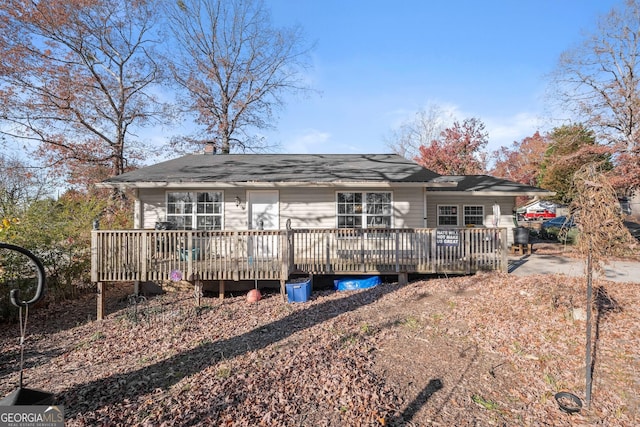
199, 256
153, 255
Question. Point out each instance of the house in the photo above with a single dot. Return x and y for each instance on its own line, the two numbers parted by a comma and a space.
267, 191
272, 214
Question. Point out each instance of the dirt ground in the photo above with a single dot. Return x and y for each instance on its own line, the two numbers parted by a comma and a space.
487, 349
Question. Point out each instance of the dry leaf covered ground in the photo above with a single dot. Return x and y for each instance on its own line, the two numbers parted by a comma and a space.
488, 349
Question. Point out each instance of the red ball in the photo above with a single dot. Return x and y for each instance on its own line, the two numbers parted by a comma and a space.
254, 295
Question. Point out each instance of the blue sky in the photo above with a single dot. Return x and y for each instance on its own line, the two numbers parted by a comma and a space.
376, 63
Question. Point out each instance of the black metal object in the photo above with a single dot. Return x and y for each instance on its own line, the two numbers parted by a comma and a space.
21, 395
568, 402
27, 396
521, 235
15, 293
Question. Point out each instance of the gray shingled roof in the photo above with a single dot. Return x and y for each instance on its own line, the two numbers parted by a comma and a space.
310, 168
489, 184
279, 168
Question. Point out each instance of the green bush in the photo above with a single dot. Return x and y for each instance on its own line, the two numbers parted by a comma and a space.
58, 232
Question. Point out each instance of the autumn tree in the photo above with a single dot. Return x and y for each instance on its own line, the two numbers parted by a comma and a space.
234, 66
521, 162
598, 83
570, 148
77, 79
424, 127
459, 149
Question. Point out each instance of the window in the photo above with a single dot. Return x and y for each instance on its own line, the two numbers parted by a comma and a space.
195, 210
474, 215
364, 210
448, 215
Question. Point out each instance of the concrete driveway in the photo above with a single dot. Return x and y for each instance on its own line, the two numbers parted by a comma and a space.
528, 265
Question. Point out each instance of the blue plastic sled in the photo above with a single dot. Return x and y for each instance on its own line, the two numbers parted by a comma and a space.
352, 283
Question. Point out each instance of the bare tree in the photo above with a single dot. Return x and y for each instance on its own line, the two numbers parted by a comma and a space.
20, 185
424, 127
599, 83
235, 66
76, 79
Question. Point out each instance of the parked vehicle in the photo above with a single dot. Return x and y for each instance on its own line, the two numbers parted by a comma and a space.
539, 214
537, 210
563, 229
625, 205
559, 228
634, 229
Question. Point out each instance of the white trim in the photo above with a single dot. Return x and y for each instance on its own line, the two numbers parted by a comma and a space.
473, 206
364, 206
457, 224
249, 194
195, 202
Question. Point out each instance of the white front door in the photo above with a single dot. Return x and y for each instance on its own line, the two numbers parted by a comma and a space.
263, 215
263, 210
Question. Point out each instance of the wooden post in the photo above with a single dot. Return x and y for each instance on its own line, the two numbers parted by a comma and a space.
189, 253
238, 255
144, 256
290, 248
221, 289
397, 252
433, 256
198, 291
504, 249
327, 254
286, 266
100, 302
94, 255
403, 279
468, 235
363, 267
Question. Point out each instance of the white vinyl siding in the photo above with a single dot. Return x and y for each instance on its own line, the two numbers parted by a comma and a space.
306, 207
153, 207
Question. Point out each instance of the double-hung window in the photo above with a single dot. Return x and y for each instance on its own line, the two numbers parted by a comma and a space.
191, 210
364, 210
447, 215
473, 215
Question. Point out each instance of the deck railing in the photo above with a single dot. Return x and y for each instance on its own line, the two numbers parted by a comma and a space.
156, 255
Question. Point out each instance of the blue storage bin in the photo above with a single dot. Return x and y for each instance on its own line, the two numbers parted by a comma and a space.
299, 291
354, 283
